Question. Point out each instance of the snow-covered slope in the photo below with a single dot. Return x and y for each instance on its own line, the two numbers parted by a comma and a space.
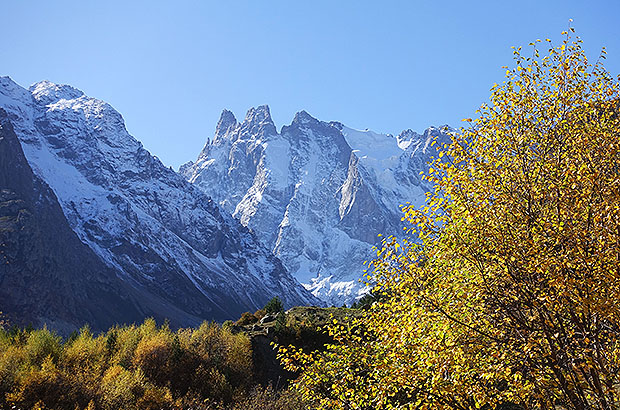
317, 193
158, 232
47, 275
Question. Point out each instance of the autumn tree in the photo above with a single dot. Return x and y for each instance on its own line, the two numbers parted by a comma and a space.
508, 292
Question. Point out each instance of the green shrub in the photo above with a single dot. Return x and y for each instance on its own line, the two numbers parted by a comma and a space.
274, 306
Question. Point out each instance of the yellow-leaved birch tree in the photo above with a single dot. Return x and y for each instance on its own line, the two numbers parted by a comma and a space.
509, 293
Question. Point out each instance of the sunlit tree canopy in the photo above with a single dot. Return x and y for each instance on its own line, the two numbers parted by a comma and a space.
507, 292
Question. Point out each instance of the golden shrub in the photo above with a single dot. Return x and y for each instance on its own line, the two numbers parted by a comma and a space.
152, 355
121, 388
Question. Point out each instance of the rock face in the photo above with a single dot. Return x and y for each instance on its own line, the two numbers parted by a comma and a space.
46, 274
159, 234
317, 193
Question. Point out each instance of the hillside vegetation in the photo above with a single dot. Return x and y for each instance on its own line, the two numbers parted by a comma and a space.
233, 366
127, 367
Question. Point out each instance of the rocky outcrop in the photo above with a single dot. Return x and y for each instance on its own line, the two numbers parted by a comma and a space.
47, 275
317, 193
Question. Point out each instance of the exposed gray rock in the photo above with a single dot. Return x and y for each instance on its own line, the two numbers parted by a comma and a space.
47, 276
318, 194
156, 231
267, 318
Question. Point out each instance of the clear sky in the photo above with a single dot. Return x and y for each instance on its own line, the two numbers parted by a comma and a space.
171, 67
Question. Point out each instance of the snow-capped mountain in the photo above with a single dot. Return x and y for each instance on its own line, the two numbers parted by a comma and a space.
159, 233
317, 193
47, 275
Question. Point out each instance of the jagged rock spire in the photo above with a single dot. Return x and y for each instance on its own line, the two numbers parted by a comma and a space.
258, 122
260, 114
227, 120
302, 117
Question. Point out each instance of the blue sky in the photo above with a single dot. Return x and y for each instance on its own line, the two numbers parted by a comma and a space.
171, 67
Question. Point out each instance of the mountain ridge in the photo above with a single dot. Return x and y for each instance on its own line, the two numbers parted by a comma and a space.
317, 193
41, 258
155, 230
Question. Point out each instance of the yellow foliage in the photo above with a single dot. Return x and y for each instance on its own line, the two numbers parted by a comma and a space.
41, 344
132, 367
38, 387
155, 399
508, 292
126, 342
152, 355
121, 388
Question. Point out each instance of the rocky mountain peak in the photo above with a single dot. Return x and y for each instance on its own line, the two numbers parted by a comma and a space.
227, 120
317, 194
8, 86
303, 118
160, 235
47, 275
260, 115
47, 92
258, 122
407, 134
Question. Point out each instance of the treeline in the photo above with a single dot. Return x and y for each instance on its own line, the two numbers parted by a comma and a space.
133, 367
